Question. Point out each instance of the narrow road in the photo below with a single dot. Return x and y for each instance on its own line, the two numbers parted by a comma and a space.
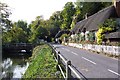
91, 65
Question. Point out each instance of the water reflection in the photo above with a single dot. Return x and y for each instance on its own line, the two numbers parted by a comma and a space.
19, 70
13, 68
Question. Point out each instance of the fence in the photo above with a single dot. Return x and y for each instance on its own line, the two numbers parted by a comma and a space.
112, 50
68, 68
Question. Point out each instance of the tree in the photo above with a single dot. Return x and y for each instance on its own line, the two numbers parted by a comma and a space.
22, 24
106, 4
54, 24
67, 15
38, 29
83, 9
91, 7
78, 11
5, 23
15, 35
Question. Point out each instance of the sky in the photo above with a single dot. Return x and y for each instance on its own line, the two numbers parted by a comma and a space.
27, 10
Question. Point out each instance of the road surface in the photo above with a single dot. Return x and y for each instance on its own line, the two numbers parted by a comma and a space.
91, 65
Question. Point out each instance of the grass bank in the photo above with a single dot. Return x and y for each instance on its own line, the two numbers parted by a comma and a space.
42, 64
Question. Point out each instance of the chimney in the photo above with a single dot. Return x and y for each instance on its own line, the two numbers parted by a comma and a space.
86, 15
117, 7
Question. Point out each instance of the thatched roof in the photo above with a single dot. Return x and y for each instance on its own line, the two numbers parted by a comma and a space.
79, 26
92, 22
113, 35
62, 32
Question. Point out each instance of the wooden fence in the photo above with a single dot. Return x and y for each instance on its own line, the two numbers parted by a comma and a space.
68, 68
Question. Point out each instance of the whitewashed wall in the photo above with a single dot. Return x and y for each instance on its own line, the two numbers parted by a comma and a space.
114, 50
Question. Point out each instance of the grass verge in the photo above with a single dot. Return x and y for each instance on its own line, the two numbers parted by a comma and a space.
42, 64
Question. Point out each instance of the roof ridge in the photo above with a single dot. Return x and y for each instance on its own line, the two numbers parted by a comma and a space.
101, 11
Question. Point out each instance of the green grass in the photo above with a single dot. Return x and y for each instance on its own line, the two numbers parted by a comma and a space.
42, 64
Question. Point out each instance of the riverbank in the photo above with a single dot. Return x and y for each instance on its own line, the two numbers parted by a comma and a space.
42, 64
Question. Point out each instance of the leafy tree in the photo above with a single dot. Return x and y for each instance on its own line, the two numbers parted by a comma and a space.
22, 24
15, 35
86, 8
67, 15
64, 37
90, 7
46, 29
34, 24
38, 29
5, 23
78, 12
54, 24
106, 4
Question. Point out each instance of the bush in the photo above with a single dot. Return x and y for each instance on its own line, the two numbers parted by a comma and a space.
108, 26
64, 36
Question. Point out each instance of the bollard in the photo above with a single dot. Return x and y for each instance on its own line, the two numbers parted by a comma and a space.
68, 71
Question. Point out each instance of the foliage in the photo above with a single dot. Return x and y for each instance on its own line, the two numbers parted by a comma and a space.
12, 32
91, 7
91, 36
38, 31
54, 23
42, 64
82, 37
88, 7
46, 29
76, 38
87, 38
67, 15
78, 13
106, 4
4, 14
22, 24
15, 35
100, 36
64, 36
108, 26
73, 22
118, 44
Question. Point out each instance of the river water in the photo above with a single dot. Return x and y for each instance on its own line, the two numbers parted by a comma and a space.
13, 67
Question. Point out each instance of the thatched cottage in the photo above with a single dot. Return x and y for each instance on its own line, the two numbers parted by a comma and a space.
91, 23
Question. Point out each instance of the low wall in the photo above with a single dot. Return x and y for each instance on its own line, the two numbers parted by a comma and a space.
112, 50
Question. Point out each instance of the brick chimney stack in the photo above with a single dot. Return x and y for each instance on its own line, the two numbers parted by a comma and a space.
117, 7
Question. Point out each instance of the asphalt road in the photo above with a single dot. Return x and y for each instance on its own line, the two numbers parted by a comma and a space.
91, 65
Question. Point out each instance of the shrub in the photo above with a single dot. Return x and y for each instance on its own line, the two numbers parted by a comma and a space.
108, 26
64, 36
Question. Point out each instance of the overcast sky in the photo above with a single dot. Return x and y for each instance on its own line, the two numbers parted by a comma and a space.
27, 10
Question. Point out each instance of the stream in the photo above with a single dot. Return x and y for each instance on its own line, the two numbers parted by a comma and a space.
13, 68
